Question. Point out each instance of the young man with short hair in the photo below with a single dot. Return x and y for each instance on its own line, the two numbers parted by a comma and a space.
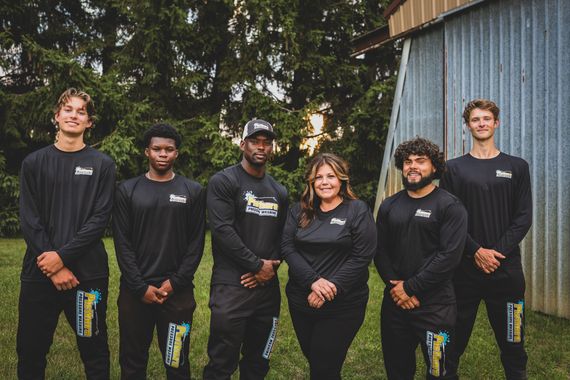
421, 234
495, 189
66, 198
247, 210
159, 228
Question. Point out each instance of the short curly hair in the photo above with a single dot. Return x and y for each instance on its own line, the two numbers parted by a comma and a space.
162, 130
420, 147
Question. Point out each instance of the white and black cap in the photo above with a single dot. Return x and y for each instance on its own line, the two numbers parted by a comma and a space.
258, 126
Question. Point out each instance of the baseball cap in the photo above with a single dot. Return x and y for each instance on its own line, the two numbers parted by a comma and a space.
257, 125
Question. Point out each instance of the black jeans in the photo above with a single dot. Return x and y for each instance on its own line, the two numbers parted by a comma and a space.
503, 293
325, 338
173, 322
243, 319
85, 309
431, 326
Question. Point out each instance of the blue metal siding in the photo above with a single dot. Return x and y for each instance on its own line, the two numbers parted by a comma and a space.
515, 52
421, 109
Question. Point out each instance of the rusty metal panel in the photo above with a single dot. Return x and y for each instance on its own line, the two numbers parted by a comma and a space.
516, 53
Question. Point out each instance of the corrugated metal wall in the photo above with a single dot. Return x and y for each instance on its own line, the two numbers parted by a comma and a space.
421, 109
515, 52
413, 13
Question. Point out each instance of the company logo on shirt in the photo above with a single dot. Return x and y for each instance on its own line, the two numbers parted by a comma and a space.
339, 221
436, 352
86, 312
515, 315
504, 174
174, 344
80, 170
271, 339
178, 198
262, 206
423, 213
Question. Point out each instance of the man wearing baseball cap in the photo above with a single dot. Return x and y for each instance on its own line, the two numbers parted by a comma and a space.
247, 210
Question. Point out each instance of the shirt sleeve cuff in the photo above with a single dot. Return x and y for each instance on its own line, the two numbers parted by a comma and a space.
409, 288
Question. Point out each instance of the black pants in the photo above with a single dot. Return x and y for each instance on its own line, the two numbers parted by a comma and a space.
503, 293
431, 326
325, 339
243, 319
85, 309
173, 321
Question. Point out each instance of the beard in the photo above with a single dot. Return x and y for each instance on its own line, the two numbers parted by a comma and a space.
413, 186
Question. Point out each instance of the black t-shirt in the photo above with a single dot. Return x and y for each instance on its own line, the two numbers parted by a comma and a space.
337, 245
420, 241
159, 231
496, 193
246, 216
66, 200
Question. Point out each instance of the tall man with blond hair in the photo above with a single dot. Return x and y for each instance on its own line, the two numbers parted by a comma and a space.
66, 198
495, 189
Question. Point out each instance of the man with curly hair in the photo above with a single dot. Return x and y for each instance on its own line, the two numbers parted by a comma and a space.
421, 234
495, 189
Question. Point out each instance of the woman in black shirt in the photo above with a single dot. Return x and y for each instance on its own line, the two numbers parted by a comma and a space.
328, 241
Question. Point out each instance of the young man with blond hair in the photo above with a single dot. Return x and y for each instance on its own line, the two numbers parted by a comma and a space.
495, 189
66, 198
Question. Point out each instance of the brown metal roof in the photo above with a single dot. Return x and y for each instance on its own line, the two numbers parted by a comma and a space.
408, 16
370, 40
390, 9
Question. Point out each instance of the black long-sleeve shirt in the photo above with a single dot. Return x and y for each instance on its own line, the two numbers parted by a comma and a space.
66, 200
246, 216
159, 230
337, 245
496, 193
420, 241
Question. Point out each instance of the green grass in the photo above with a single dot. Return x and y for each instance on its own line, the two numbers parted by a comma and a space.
548, 338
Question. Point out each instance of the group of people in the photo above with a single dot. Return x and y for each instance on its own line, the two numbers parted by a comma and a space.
439, 250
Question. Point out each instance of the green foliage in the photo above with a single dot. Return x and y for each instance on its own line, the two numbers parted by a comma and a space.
205, 67
361, 139
291, 179
9, 191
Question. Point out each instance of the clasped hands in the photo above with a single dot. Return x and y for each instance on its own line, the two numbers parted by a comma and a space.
158, 295
267, 272
401, 298
321, 290
487, 260
52, 266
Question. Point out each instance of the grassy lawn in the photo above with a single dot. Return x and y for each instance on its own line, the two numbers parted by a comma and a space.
548, 338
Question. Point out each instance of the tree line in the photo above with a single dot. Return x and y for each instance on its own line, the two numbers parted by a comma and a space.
206, 67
